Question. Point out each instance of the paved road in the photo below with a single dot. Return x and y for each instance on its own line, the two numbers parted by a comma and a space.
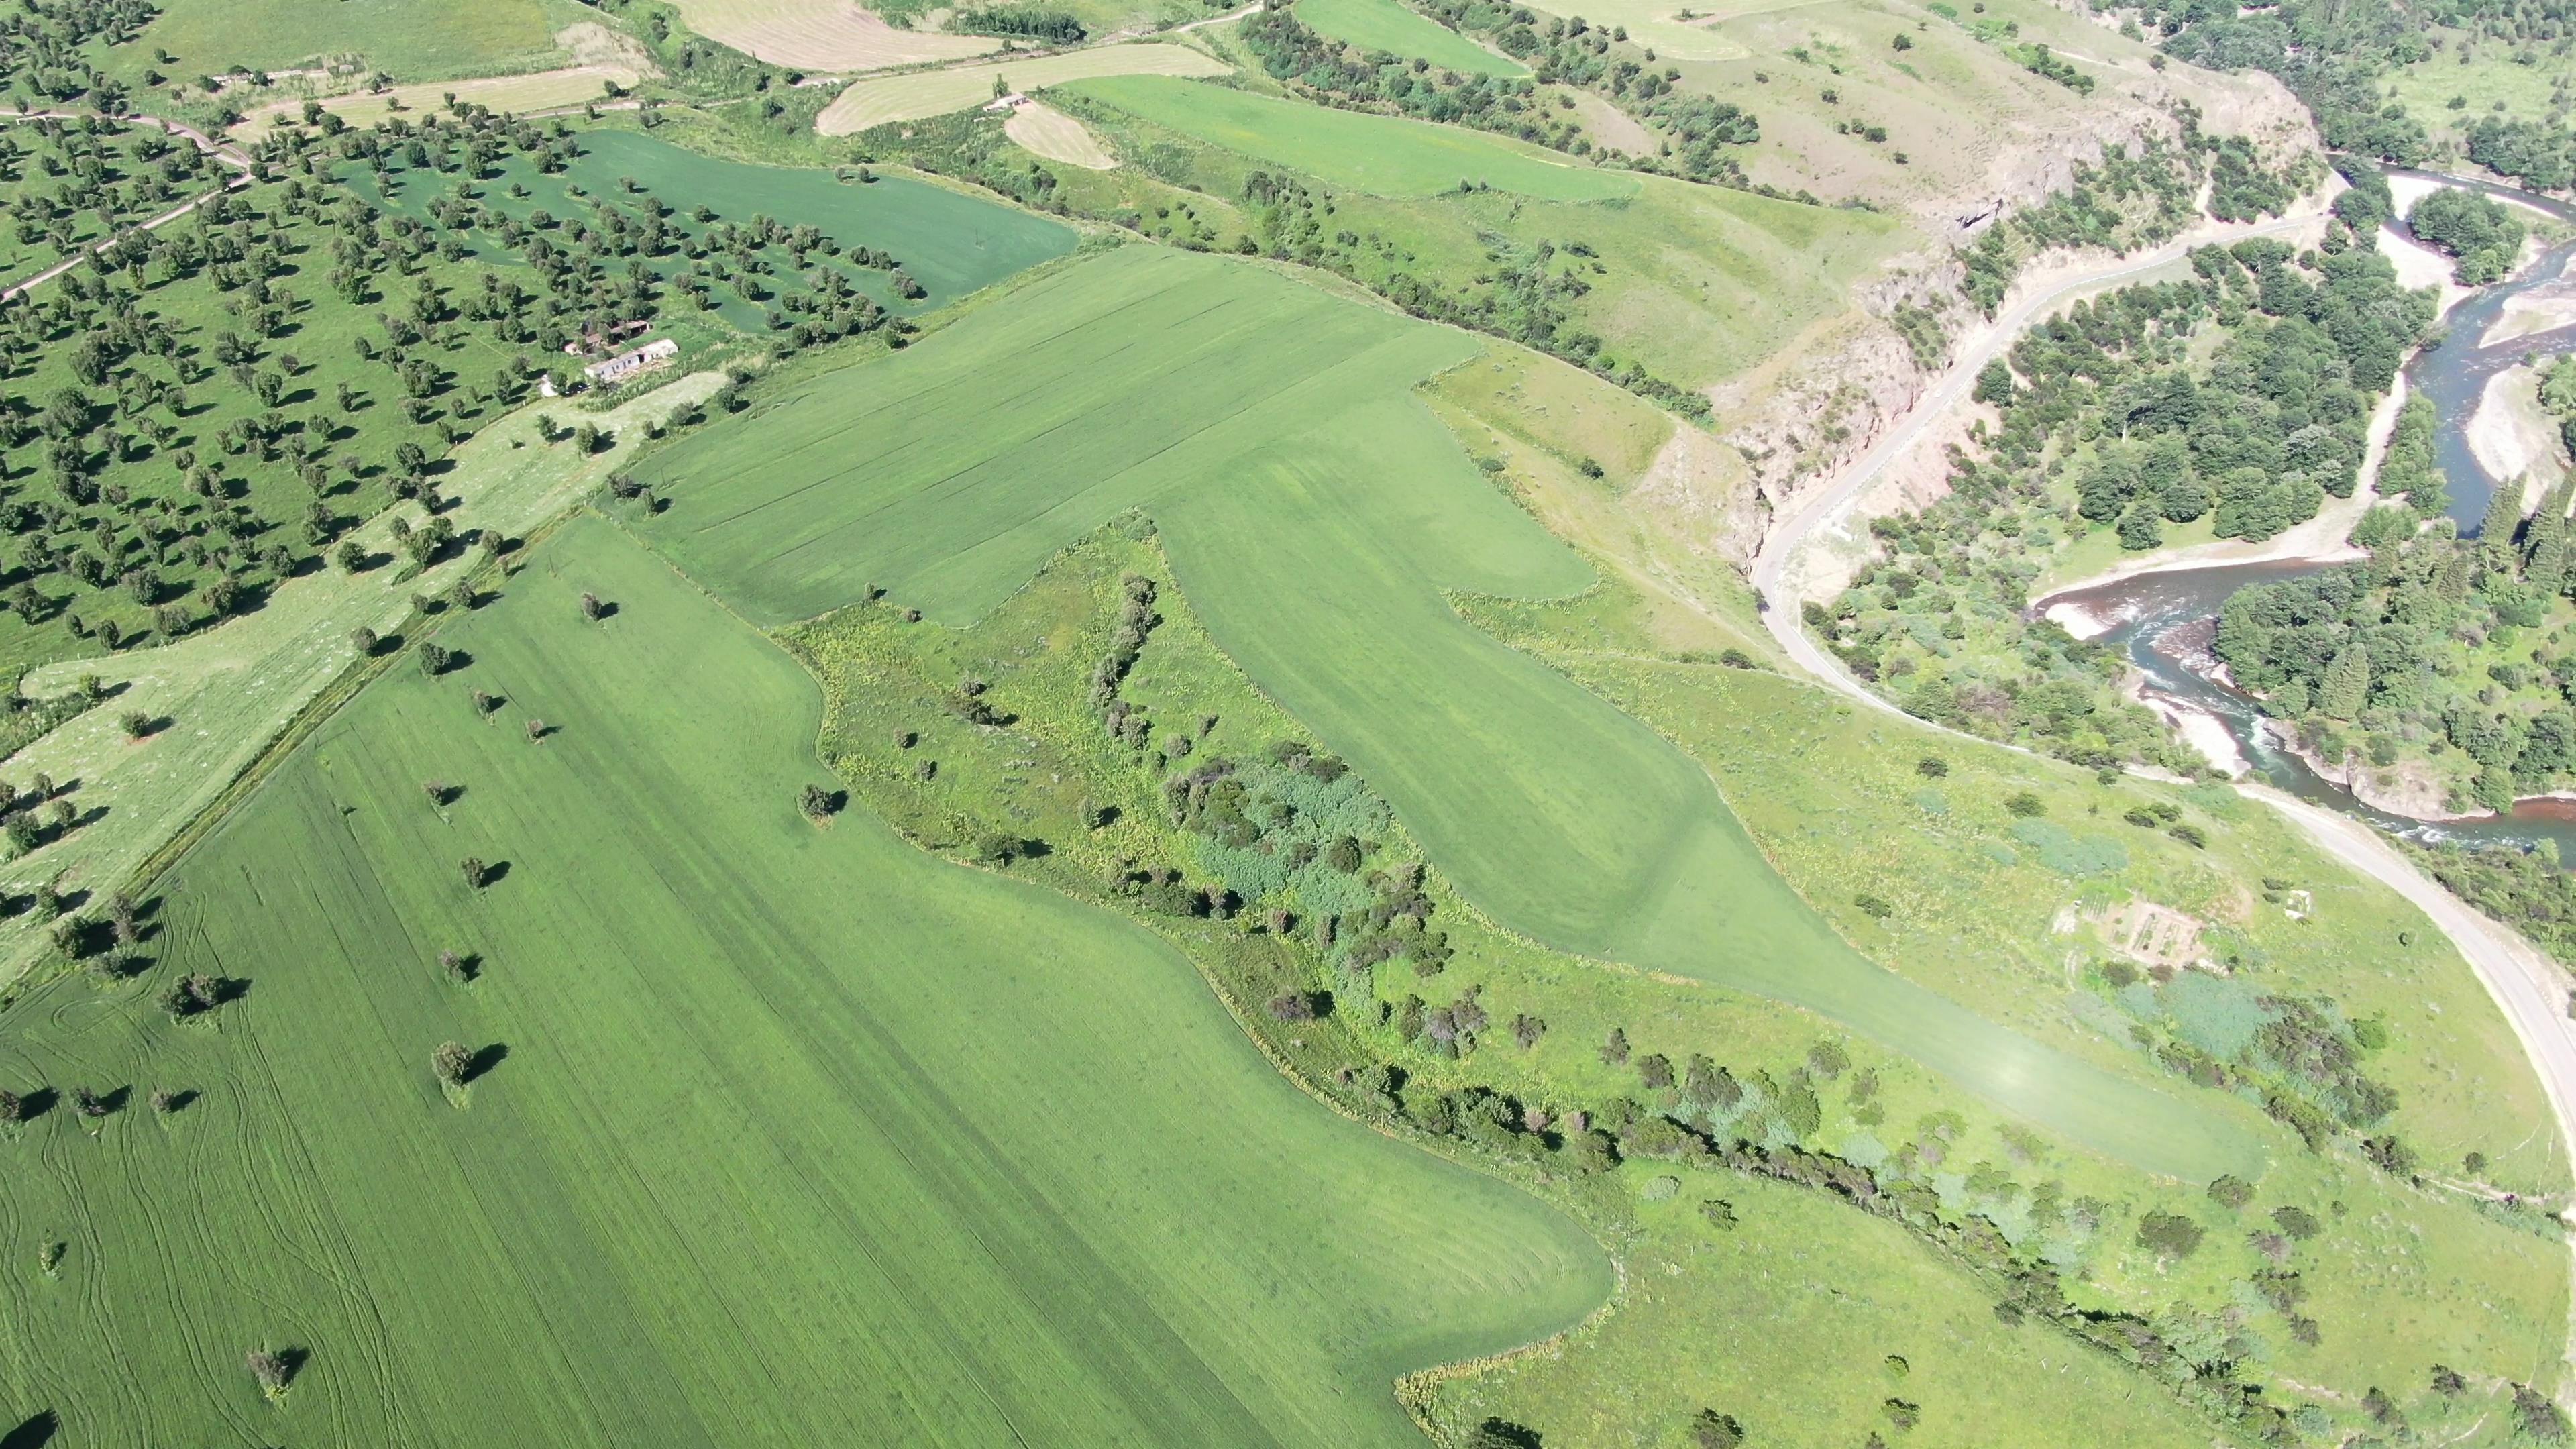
2528, 988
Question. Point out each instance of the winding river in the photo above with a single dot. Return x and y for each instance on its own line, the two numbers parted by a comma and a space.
2164, 621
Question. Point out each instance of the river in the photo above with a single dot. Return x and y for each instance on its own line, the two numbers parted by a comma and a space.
2164, 621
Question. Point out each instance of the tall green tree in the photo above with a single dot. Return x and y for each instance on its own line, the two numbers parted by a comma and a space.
2347, 683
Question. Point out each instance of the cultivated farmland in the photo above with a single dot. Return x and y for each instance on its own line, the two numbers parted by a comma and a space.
1045, 131
1388, 26
727, 1090
1316, 513
406, 39
1386, 155
823, 35
937, 92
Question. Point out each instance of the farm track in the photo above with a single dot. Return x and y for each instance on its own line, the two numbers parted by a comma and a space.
2523, 985
221, 151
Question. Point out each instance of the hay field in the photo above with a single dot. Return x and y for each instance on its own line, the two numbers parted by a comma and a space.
539, 91
937, 92
823, 35
1044, 131
1384, 155
765, 1104
1318, 517
408, 39
1389, 26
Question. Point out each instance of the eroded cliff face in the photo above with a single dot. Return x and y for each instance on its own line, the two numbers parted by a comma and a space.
1806, 414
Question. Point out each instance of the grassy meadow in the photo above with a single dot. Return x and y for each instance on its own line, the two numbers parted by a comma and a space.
733, 1123
1388, 26
1319, 517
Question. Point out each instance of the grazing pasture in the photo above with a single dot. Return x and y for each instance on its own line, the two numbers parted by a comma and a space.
937, 92
823, 35
1383, 155
748, 1101
1318, 517
1388, 26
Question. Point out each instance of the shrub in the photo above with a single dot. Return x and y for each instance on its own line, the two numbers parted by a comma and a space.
271, 1370
2025, 804
1873, 907
1710, 1429
2169, 1235
451, 1062
2231, 1192
1932, 767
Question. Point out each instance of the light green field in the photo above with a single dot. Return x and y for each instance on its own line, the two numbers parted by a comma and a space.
544, 90
2492, 82
1316, 514
1386, 155
1788, 1320
964, 1161
1388, 26
407, 39
937, 92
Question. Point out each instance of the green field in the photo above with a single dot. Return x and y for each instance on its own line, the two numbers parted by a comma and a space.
1316, 514
961, 1159
407, 39
1387, 25
1385, 155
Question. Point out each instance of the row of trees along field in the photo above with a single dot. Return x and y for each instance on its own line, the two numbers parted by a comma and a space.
200, 411
2235, 401
1331, 898
1573, 53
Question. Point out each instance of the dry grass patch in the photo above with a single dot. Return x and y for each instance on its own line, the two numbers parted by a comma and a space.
936, 93
823, 35
1056, 136
545, 90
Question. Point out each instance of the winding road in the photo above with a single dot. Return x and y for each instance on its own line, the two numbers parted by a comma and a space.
2526, 986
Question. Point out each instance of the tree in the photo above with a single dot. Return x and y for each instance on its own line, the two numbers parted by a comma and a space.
363, 640
2140, 530
271, 1370
591, 608
2347, 683
434, 659
816, 803
537, 731
585, 439
474, 871
1710, 1429
1994, 384
451, 1063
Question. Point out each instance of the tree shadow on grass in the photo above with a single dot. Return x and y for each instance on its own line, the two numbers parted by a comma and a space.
485, 1060
33, 1432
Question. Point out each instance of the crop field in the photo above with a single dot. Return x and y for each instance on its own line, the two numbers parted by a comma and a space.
929, 93
823, 35
950, 243
741, 1081
1317, 514
1385, 155
405, 39
517, 94
1387, 25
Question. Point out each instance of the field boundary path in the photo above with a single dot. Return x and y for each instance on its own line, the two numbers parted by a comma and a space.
2523, 984
221, 151
224, 696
